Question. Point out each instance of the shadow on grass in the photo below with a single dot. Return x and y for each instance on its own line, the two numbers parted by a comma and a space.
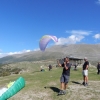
53, 88
75, 82
36, 71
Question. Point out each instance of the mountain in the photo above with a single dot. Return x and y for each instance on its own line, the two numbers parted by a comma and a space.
91, 51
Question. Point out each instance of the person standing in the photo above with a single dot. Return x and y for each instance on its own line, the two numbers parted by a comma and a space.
98, 68
41, 68
50, 67
85, 71
65, 75
75, 66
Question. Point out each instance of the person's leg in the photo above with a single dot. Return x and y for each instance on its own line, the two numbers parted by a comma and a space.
66, 86
99, 71
83, 77
86, 81
66, 80
83, 80
86, 77
75, 67
62, 84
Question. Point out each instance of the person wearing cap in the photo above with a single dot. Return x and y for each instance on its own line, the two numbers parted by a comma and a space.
85, 71
65, 75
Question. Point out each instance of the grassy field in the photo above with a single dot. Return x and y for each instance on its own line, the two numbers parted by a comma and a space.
45, 85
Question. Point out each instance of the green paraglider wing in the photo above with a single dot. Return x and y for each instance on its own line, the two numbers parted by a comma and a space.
16, 87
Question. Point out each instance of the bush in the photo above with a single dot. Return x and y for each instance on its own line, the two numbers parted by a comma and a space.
16, 70
5, 73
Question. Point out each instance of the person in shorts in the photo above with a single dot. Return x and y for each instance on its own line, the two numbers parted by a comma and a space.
65, 75
85, 71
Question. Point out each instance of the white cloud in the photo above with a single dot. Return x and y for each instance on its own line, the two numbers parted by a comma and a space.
98, 2
79, 32
12, 53
97, 36
3, 55
76, 36
36, 49
19, 52
70, 40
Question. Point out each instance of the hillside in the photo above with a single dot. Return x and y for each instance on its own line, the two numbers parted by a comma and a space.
92, 51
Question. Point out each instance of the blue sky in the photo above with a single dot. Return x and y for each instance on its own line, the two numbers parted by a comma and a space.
24, 22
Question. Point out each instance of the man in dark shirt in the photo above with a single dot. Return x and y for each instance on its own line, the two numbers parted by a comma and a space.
98, 68
65, 75
85, 72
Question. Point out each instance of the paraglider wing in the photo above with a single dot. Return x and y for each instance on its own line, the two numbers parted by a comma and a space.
16, 87
45, 40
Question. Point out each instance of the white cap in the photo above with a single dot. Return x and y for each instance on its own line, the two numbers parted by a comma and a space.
85, 57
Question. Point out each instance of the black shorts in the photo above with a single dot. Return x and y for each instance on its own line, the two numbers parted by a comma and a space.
64, 79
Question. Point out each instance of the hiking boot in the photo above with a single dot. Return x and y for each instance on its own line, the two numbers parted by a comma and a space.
83, 83
64, 92
86, 84
61, 92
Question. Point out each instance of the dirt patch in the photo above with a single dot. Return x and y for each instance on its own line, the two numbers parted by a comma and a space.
75, 91
31, 95
80, 92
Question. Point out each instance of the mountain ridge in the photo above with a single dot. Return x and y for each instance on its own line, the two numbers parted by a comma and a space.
91, 51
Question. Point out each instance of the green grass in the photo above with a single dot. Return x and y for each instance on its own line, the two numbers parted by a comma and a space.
45, 85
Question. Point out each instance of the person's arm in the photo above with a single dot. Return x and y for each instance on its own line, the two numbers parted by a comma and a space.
66, 67
87, 66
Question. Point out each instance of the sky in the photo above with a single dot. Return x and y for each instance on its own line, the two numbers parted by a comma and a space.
24, 22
